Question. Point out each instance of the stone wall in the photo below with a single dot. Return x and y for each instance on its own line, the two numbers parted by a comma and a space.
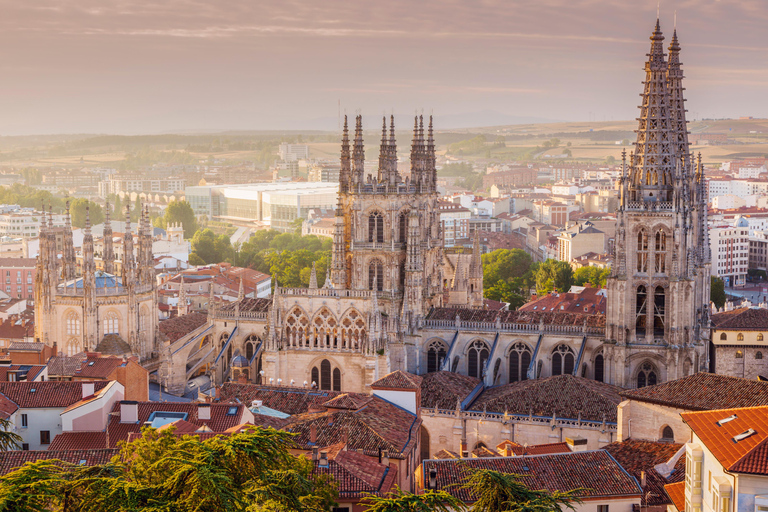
648, 421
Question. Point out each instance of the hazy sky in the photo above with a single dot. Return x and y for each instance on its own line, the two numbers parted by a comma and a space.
146, 66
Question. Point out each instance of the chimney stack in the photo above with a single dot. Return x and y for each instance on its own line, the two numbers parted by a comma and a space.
88, 389
204, 411
323, 459
314, 453
313, 434
433, 478
129, 411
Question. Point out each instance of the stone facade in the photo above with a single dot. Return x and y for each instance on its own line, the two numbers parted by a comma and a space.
658, 292
79, 308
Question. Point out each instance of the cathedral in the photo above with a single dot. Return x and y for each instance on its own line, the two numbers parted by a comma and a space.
79, 308
395, 299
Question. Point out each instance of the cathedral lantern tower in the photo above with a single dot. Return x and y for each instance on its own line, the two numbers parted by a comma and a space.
658, 292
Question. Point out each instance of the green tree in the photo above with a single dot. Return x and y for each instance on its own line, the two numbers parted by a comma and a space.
553, 275
181, 212
593, 275
610, 160
195, 260
117, 208
399, 501
297, 224
249, 471
9, 440
717, 291
494, 491
77, 212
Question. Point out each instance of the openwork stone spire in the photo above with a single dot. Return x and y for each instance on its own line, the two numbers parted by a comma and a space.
652, 171
345, 173
677, 103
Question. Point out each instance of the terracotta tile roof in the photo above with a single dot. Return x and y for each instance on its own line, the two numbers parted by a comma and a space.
14, 459
566, 396
23, 346
249, 305
357, 474
676, 493
638, 456
526, 317
588, 301
79, 441
347, 401
182, 427
12, 329
446, 454
542, 449
7, 407
484, 452
443, 390
98, 367
744, 319
596, 472
398, 380
46, 394
755, 462
284, 399
703, 392
379, 425
180, 326
720, 438
65, 366
219, 422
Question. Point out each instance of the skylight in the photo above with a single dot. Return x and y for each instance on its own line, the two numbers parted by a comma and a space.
232, 411
744, 435
726, 420
159, 418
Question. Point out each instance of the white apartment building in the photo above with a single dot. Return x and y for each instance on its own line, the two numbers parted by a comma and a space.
24, 223
293, 152
738, 187
730, 201
729, 243
454, 221
751, 172
121, 185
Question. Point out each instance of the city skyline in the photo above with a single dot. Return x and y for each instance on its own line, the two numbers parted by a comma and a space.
141, 68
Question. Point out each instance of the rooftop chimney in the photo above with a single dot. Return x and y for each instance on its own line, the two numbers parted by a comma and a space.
314, 453
642, 479
313, 434
432, 478
204, 411
323, 459
88, 389
576, 443
129, 411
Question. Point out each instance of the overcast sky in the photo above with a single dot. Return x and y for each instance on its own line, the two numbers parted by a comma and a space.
148, 66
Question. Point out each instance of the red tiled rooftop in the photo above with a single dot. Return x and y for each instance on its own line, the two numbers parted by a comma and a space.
703, 392
178, 327
98, 367
524, 317
46, 394
596, 473
398, 380
357, 474
676, 493
14, 459
442, 390
744, 319
638, 456
284, 399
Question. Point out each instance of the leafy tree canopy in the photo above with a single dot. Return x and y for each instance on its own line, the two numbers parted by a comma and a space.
180, 212
508, 275
592, 275
77, 212
717, 291
553, 275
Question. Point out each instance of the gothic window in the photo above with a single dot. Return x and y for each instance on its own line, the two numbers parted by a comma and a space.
599, 368
435, 356
376, 275
315, 377
375, 227
642, 251
143, 319
646, 376
739, 354
667, 434
519, 361
478, 355
659, 306
723, 337
73, 324
296, 328
740, 337
325, 375
111, 323
758, 355
403, 227
248, 350
352, 330
660, 253
641, 309
73, 347
325, 329
562, 360
336, 379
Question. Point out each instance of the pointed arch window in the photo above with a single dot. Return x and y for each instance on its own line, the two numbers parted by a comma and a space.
315, 377
562, 360
73, 324
659, 311
646, 376
642, 251
477, 357
641, 310
336, 379
376, 275
325, 374
660, 253
111, 323
599, 368
403, 227
375, 227
519, 361
435, 356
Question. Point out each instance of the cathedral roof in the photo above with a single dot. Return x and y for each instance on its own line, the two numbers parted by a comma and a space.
703, 392
248, 304
525, 317
178, 327
745, 319
563, 396
114, 345
442, 390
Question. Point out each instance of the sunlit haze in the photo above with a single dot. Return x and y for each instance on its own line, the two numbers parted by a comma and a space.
135, 66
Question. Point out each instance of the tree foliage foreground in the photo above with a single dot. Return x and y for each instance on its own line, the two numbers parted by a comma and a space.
249, 471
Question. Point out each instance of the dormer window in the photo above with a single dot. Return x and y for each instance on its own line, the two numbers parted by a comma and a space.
744, 435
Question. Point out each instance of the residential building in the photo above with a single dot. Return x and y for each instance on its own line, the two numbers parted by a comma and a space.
729, 245
122, 186
17, 277
739, 348
293, 152
454, 223
25, 222
578, 240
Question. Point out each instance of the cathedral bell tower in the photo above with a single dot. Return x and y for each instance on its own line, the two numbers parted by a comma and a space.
658, 292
